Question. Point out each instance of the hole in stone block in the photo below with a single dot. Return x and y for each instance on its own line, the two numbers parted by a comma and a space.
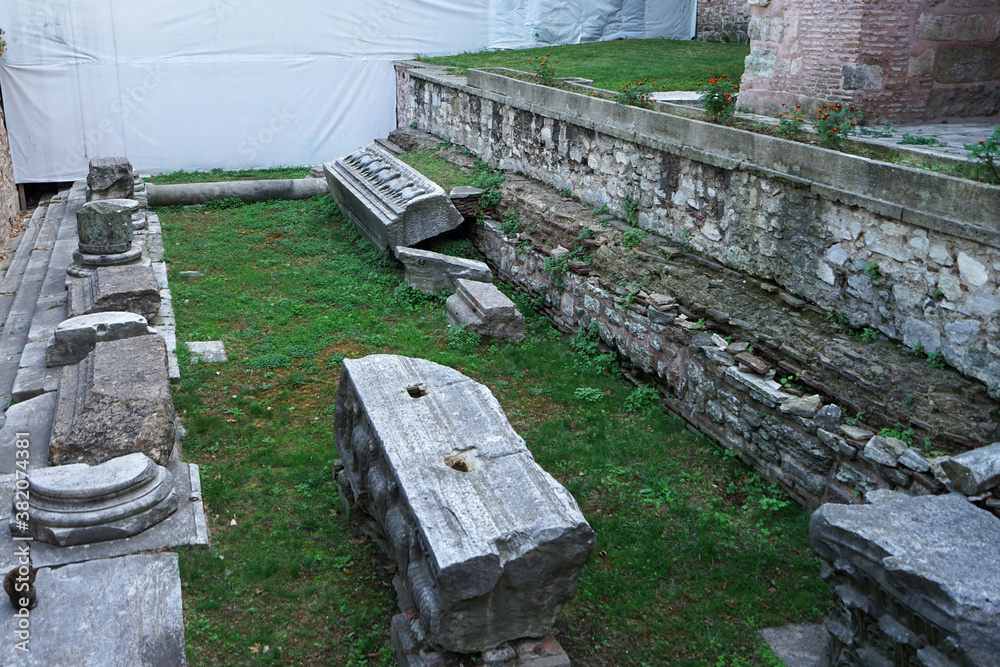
457, 463
416, 391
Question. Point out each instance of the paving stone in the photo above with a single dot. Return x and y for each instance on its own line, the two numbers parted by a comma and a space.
33, 377
213, 351
431, 271
132, 289
34, 418
974, 472
484, 309
110, 178
507, 542
118, 611
392, 204
798, 645
80, 504
116, 401
76, 337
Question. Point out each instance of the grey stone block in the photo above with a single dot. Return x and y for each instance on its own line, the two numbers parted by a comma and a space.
120, 611
33, 418
922, 569
132, 289
76, 337
489, 545
77, 504
884, 450
209, 352
975, 472
116, 401
110, 178
484, 309
104, 228
392, 204
804, 407
431, 271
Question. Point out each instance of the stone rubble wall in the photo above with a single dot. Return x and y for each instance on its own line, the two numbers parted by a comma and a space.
907, 61
9, 206
723, 21
908, 276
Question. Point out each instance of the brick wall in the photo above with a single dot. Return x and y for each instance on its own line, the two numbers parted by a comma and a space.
723, 21
901, 60
9, 208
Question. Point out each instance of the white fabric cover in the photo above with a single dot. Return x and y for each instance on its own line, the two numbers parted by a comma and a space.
198, 84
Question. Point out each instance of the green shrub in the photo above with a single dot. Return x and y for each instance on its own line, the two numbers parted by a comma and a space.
718, 97
986, 155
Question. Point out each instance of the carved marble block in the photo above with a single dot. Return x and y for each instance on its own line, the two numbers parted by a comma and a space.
917, 581
484, 309
489, 545
391, 203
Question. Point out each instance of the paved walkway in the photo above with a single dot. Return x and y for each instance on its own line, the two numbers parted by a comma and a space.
116, 602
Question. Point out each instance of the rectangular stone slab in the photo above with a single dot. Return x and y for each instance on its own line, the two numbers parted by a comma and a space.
489, 545
116, 401
484, 309
431, 271
132, 288
391, 203
118, 611
911, 571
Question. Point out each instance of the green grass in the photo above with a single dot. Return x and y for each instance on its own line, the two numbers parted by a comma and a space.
673, 64
219, 174
694, 552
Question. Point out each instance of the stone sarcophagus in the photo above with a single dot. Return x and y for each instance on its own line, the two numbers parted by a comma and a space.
916, 581
489, 545
391, 203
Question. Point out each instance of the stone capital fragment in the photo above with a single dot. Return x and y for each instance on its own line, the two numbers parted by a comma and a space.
110, 178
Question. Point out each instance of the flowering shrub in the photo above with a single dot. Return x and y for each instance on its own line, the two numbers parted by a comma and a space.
987, 157
545, 72
3, 44
834, 122
635, 94
718, 96
790, 123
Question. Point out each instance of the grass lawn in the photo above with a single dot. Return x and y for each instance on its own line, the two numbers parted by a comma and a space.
673, 64
218, 174
694, 552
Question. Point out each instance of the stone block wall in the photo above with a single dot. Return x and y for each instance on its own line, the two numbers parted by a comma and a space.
9, 206
723, 21
914, 277
901, 61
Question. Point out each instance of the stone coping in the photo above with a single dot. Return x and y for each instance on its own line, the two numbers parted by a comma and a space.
955, 206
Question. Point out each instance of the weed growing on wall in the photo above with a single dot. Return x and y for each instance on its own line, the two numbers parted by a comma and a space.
834, 122
636, 94
790, 123
545, 72
632, 238
718, 97
986, 155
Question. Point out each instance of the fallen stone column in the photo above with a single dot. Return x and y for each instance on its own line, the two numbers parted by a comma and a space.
917, 580
184, 194
116, 401
489, 545
391, 203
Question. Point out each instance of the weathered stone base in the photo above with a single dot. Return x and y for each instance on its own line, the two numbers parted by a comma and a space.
132, 289
80, 504
84, 265
410, 652
484, 309
76, 337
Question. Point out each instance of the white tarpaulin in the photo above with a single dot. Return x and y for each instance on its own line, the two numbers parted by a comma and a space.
199, 84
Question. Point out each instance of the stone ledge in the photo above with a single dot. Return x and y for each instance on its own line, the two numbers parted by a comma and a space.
957, 206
